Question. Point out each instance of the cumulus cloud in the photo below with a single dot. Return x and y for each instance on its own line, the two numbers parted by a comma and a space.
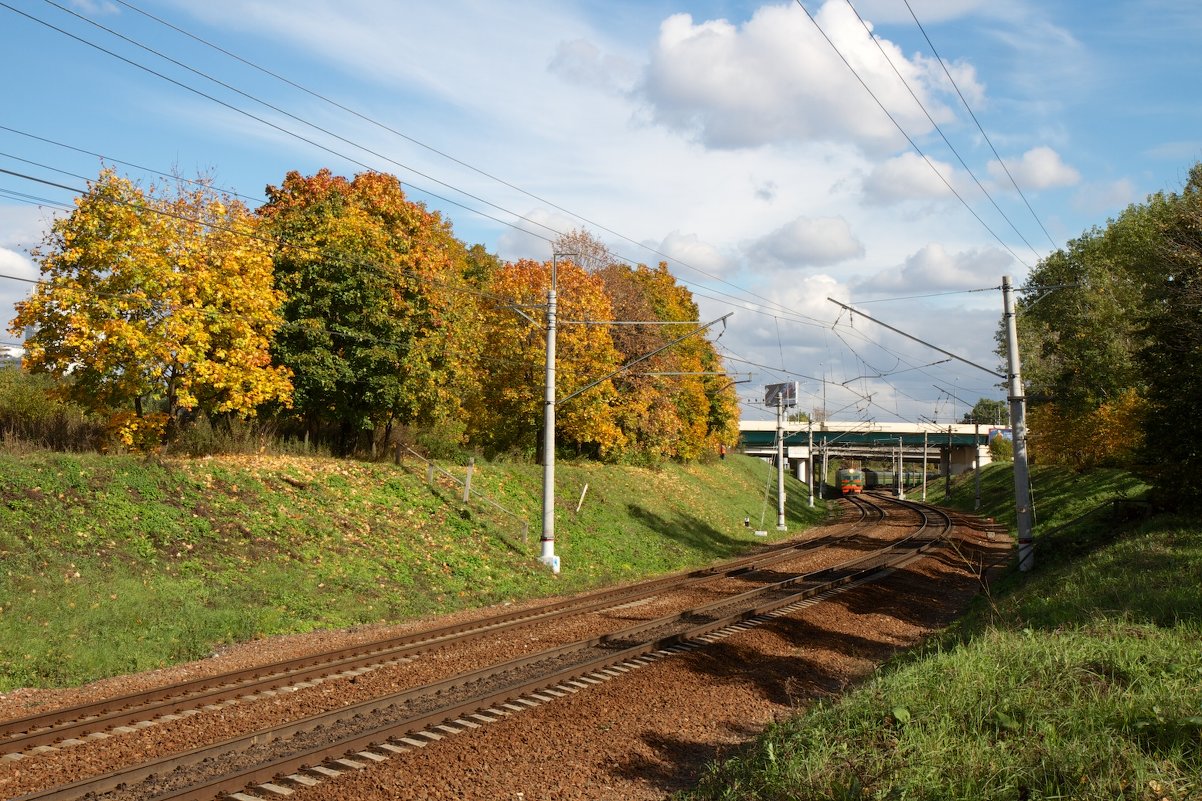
688, 249
934, 268
1103, 198
1038, 168
528, 239
776, 80
582, 63
809, 297
807, 242
908, 177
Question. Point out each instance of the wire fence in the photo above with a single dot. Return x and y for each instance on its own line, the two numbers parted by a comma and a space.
432, 471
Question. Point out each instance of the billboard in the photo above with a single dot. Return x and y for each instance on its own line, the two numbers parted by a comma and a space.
781, 394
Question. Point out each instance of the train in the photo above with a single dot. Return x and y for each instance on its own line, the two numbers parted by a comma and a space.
853, 480
850, 481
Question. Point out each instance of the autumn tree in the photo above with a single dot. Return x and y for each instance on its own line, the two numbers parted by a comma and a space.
1171, 356
509, 414
585, 250
678, 404
156, 303
380, 327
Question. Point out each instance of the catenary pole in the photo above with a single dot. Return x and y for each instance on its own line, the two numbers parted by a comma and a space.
976, 464
1018, 415
810, 459
924, 466
780, 462
547, 540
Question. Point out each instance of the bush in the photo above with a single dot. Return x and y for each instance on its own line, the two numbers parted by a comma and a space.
31, 414
1001, 449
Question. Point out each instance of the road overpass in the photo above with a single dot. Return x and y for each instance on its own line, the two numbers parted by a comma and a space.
952, 447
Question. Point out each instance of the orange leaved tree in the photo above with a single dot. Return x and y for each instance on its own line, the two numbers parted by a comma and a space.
155, 306
509, 414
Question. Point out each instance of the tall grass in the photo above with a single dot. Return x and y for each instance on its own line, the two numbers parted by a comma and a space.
33, 418
1082, 680
117, 563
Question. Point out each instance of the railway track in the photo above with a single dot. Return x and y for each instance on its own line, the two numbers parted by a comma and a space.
298, 752
69, 725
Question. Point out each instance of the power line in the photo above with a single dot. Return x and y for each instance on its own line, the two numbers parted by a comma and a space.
980, 128
347, 141
907, 136
443, 154
724, 297
932, 295
270, 124
105, 158
938, 128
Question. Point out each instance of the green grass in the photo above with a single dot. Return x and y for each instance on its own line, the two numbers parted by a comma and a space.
1079, 680
111, 564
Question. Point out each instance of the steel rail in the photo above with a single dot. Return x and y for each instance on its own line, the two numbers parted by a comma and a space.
56, 725
858, 569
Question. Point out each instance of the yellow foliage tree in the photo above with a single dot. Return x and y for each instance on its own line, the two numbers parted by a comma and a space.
1110, 434
510, 411
160, 304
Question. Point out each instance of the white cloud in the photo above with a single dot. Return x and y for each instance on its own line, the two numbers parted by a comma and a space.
1105, 198
95, 8
16, 264
1038, 168
583, 63
775, 79
934, 268
529, 239
908, 177
808, 242
689, 249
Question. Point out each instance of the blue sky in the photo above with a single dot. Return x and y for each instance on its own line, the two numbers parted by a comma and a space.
728, 137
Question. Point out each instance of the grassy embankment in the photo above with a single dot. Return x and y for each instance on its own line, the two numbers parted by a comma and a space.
1079, 680
110, 564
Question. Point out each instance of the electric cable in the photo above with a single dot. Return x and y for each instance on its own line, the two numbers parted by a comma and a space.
980, 128
907, 136
345, 140
280, 128
939, 128
104, 158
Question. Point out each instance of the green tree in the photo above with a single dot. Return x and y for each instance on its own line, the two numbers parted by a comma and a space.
159, 305
988, 411
381, 328
1001, 449
1171, 356
1081, 329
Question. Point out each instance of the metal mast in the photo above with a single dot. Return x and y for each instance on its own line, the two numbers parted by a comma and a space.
1018, 419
